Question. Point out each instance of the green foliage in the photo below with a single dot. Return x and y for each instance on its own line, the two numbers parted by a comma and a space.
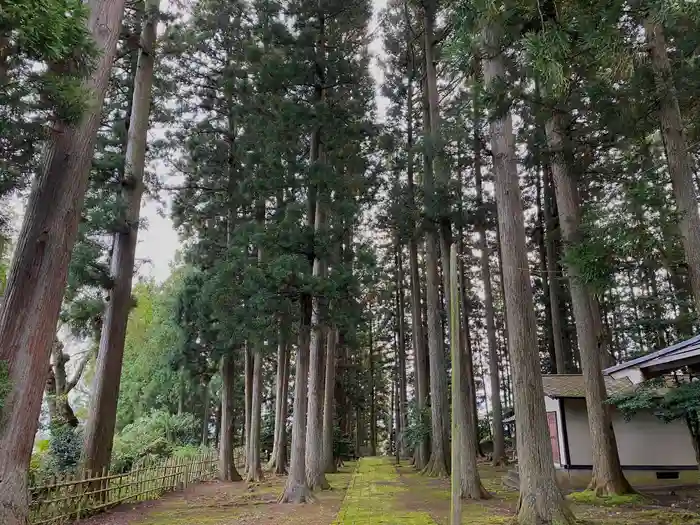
668, 404
65, 447
155, 435
419, 427
5, 383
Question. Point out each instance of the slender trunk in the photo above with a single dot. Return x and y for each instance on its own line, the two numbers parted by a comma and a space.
372, 398
227, 466
439, 457
181, 391
296, 489
206, 411
402, 405
39, 268
419, 350
499, 451
254, 472
466, 482
551, 237
278, 460
675, 144
314, 429
329, 402
99, 432
607, 472
541, 500
538, 236
248, 393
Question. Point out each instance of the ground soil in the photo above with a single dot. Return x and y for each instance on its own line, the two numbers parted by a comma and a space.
238, 503
376, 491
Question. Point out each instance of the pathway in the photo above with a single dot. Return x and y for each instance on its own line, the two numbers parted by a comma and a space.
377, 496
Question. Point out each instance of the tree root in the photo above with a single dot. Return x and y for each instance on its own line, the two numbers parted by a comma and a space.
435, 469
296, 493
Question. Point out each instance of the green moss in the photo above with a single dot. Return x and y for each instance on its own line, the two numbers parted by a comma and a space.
5, 384
373, 497
665, 517
588, 497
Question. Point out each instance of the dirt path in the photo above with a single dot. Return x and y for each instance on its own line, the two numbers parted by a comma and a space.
231, 504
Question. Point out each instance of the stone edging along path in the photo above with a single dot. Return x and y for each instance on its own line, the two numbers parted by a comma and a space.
374, 497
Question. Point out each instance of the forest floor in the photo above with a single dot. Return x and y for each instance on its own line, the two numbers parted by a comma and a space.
377, 492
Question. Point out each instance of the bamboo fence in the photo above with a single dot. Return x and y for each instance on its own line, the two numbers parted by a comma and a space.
63, 500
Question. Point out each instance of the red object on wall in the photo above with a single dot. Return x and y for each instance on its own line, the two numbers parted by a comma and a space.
554, 436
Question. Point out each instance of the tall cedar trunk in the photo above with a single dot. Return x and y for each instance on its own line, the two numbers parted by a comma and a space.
541, 500
372, 398
402, 405
466, 482
99, 432
296, 489
227, 466
329, 402
278, 460
248, 394
439, 458
39, 268
538, 237
679, 162
464, 337
254, 472
551, 237
499, 451
314, 428
206, 411
420, 364
607, 472
439, 199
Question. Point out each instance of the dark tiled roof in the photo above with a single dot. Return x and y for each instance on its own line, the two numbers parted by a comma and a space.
570, 385
654, 355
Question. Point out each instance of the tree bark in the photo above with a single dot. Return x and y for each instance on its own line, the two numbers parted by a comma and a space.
402, 421
296, 489
607, 473
439, 457
39, 268
541, 500
248, 394
466, 482
329, 402
420, 354
206, 411
315, 468
227, 466
99, 432
254, 472
58, 386
551, 237
675, 144
499, 451
278, 459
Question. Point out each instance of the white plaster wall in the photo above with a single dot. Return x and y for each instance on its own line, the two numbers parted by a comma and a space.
634, 374
643, 441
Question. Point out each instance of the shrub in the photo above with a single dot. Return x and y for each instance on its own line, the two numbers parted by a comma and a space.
153, 436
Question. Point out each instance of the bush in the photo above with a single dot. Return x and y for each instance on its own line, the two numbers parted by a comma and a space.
154, 436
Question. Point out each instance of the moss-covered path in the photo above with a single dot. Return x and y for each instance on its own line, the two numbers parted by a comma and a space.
376, 496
